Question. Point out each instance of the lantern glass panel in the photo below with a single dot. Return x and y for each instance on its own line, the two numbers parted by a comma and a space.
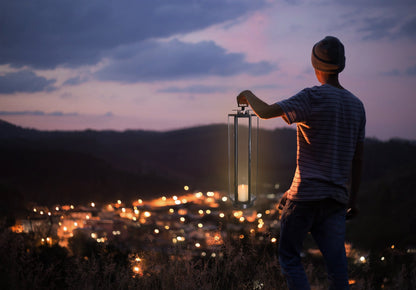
242, 156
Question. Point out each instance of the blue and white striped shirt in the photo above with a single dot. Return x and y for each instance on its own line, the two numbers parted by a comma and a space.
330, 121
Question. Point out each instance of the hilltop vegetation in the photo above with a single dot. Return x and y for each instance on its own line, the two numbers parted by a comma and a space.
84, 166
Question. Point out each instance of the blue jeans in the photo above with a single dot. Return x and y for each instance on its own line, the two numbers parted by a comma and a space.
325, 220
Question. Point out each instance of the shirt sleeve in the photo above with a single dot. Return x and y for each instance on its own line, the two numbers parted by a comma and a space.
297, 108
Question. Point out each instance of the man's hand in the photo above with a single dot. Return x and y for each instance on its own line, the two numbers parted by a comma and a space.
242, 99
351, 213
262, 109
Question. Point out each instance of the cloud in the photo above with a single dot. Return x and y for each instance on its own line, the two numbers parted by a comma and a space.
36, 113
195, 89
24, 81
46, 34
75, 81
409, 71
152, 60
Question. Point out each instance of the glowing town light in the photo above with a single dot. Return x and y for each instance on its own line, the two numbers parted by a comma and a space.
94, 235
362, 259
382, 258
140, 201
273, 240
118, 201
164, 198
174, 197
171, 210
72, 207
213, 255
156, 231
182, 219
199, 194
35, 210
41, 212
57, 208
177, 202
260, 226
201, 212
259, 215
186, 187
267, 212
92, 204
241, 237
184, 201
65, 229
242, 219
147, 214
203, 254
167, 227
208, 211
136, 211
392, 246
197, 245
238, 214
75, 224
49, 213
224, 199
123, 209
200, 225
222, 215
252, 231
182, 211
87, 217
210, 193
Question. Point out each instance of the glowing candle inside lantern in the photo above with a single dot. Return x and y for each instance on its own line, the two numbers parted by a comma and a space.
242, 192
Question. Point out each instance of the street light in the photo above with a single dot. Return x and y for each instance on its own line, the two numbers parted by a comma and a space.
242, 156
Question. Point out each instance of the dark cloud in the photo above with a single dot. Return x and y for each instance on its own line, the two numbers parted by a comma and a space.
75, 81
195, 89
411, 71
47, 33
151, 61
391, 26
36, 113
24, 81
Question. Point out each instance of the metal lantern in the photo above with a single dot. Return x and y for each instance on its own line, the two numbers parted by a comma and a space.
242, 156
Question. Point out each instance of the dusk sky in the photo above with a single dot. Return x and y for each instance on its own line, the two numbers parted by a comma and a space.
169, 64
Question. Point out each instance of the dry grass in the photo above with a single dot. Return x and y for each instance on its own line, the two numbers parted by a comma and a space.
23, 265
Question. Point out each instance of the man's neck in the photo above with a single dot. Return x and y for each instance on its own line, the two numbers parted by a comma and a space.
332, 80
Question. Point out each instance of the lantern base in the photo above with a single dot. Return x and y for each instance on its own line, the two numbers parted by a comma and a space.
243, 204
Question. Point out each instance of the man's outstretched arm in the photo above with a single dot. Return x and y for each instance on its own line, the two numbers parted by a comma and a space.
262, 109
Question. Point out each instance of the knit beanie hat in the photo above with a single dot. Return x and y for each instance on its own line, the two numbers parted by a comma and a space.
328, 55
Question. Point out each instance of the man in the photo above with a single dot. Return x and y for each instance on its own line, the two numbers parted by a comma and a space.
330, 134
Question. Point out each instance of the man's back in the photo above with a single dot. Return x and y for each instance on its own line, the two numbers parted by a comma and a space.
330, 122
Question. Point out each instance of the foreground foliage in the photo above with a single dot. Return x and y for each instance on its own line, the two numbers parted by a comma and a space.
25, 265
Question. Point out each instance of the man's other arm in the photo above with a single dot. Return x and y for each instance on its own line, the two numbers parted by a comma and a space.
357, 164
262, 109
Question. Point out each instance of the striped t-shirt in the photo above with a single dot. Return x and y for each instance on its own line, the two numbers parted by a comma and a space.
330, 121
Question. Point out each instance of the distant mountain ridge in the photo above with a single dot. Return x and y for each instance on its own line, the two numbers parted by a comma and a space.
57, 166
